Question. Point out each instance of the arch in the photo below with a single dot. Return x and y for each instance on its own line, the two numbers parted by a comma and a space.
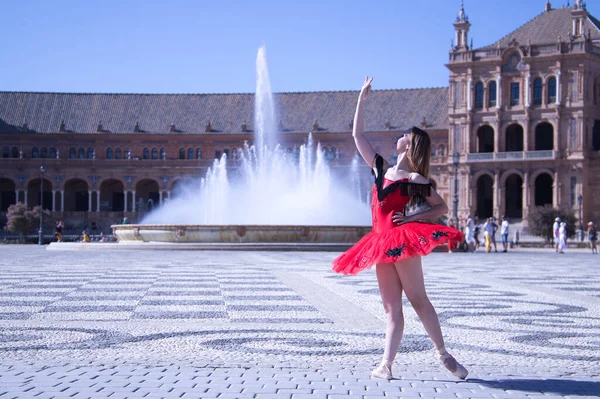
182, 153
514, 137
109, 153
479, 95
543, 189
112, 196
34, 195
147, 194
126, 153
596, 135
76, 195
163, 153
80, 153
433, 151
485, 139
8, 195
43, 152
118, 154
190, 153
537, 91
217, 154
146, 153
52, 153
154, 153
441, 150
34, 152
492, 94
90, 153
551, 83
72, 153
513, 196
5, 152
198, 153
485, 196
544, 137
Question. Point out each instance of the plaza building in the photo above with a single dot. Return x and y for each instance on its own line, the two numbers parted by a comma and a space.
518, 126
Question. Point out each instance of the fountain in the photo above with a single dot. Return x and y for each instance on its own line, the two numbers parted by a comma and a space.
273, 198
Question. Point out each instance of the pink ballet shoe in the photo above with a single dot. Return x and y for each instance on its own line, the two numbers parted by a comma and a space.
452, 365
382, 371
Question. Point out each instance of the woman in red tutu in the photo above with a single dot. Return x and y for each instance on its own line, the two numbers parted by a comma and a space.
398, 241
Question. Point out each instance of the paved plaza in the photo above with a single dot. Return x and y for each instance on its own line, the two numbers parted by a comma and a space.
201, 324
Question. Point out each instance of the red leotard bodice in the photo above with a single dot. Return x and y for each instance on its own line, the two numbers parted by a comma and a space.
382, 211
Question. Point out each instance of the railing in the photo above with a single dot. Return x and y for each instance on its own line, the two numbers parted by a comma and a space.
511, 156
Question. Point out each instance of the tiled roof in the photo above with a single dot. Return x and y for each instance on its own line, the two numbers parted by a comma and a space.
546, 28
190, 113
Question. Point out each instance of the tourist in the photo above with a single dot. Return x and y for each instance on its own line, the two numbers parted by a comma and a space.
555, 228
593, 237
504, 230
488, 232
59, 230
562, 237
495, 226
470, 234
390, 245
85, 236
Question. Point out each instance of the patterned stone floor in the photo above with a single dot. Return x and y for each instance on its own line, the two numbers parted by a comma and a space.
280, 324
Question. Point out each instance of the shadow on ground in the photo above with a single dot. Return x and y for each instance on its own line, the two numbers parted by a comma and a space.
561, 387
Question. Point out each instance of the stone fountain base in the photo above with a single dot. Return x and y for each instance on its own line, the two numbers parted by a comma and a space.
201, 237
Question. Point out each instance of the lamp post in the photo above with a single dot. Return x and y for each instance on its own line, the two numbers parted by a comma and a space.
579, 202
42, 170
455, 159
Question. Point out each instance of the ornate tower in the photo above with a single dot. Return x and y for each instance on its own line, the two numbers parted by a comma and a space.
462, 25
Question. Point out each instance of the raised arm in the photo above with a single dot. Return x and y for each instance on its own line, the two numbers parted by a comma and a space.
362, 144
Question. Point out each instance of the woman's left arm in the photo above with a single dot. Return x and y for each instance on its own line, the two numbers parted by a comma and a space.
437, 203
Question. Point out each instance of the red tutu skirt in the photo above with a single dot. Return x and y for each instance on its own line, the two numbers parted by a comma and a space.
406, 241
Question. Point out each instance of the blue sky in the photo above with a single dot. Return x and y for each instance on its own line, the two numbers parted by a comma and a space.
200, 46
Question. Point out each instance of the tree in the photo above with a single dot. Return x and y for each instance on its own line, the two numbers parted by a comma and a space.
22, 220
541, 219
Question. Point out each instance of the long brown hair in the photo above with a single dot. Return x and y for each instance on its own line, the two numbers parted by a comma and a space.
419, 151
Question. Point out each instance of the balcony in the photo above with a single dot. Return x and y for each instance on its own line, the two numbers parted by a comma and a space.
511, 156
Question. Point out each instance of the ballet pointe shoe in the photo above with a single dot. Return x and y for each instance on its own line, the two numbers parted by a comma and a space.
452, 365
383, 371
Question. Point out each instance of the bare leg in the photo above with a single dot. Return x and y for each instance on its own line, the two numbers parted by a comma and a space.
390, 289
411, 277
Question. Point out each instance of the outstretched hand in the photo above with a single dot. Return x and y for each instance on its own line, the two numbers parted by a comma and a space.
366, 88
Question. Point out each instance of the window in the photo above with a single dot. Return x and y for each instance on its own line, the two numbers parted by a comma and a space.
514, 93
182, 153
226, 152
52, 153
573, 190
81, 153
34, 152
537, 92
217, 154
198, 153
479, 95
14, 152
118, 153
5, 152
441, 150
433, 152
126, 153
552, 90
44, 152
71, 153
190, 153
163, 153
492, 94
146, 154
573, 133
90, 153
109, 153
155, 153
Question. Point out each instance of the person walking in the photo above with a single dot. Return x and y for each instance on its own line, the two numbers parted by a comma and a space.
488, 232
593, 237
470, 234
495, 226
397, 242
504, 230
59, 230
555, 234
562, 237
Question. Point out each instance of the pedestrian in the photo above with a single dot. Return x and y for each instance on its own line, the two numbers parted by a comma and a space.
593, 237
397, 241
488, 232
495, 225
555, 234
124, 220
59, 230
562, 237
476, 235
470, 234
504, 230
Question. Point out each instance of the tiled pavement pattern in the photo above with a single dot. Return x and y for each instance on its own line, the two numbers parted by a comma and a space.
280, 324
